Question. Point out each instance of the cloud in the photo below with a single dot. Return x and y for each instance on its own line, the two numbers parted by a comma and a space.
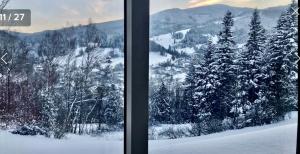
196, 3
55, 14
239, 3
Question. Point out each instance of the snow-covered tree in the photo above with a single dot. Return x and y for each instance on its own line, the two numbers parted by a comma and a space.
160, 105
283, 47
207, 83
225, 67
250, 74
112, 112
189, 91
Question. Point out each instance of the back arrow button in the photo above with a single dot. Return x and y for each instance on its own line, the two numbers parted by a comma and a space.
2, 58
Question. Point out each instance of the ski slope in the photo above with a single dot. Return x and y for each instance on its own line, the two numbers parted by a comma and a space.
271, 139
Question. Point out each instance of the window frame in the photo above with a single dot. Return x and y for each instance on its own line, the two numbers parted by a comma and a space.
136, 49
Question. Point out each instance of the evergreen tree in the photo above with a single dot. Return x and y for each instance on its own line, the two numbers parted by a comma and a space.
178, 106
250, 75
207, 82
293, 50
189, 91
112, 112
160, 105
226, 68
283, 46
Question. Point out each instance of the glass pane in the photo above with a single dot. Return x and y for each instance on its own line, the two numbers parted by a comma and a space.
61, 79
223, 77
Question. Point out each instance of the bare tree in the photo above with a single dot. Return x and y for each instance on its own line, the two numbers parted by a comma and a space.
3, 4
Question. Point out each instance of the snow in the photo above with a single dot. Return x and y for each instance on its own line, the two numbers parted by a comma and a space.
279, 138
270, 139
166, 40
180, 77
74, 144
187, 50
184, 32
214, 38
97, 54
119, 60
156, 58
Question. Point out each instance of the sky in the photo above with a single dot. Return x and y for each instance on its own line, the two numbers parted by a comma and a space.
54, 14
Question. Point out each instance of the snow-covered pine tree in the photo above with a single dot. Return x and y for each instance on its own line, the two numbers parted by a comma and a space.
250, 74
189, 91
293, 49
160, 105
225, 67
205, 95
283, 45
178, 107
207, 82
113, 111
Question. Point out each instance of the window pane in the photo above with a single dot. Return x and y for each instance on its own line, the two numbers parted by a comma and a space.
223, 77
61, 79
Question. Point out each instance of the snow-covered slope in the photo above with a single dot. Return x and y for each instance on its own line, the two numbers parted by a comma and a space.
166, 40
272, 139
277, 138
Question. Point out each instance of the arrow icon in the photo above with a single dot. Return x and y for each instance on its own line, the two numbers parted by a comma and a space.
2, 58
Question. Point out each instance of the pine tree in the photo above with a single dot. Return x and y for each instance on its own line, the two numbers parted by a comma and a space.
283, 45
250, 73
205, 91
189, 91
178, 111
226, 68
112, 112
293, 50
160, 105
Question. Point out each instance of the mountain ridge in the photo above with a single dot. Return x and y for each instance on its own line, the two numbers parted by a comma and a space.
158, 19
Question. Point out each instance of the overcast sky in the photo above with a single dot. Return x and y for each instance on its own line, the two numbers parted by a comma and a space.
53, 14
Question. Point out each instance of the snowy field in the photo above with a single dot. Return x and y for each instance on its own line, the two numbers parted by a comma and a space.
15, 144
272, 139
277, 138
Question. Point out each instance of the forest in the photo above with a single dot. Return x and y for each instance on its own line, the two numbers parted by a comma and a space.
49, 88
227, 87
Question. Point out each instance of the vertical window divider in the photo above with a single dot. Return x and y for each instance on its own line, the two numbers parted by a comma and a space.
136, 37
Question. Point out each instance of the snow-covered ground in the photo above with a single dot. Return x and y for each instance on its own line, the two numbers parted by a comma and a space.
277, 138
270, 139
155, 58
74, 144
166, 40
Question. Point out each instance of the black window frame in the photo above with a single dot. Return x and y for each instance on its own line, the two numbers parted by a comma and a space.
136, 48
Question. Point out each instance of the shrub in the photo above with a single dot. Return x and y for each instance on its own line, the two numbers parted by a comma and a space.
227, 124
214, 126
199, 129
172, 133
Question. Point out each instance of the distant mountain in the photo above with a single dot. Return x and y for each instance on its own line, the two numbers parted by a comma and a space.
179, 19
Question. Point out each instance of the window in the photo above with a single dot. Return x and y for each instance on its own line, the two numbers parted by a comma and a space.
62, 78
223, 77
218, 77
